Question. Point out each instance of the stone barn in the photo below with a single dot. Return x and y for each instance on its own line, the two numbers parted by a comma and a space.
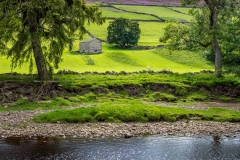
93, 45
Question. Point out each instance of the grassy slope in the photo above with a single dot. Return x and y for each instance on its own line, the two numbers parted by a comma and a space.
180, 9
162, 12
114, 13
127, 60
148, 37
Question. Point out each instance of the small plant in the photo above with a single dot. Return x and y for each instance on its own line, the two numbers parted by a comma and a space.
62, 102
122, 58
181, 91
102, 116
90, 97
74, 99
88, 60
21, 101
224, 98
198, 96
157, 96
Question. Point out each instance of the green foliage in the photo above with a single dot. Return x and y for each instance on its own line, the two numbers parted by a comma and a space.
41, 29
111, 12
121, 57
123, 32
62, 102
122, 89
193, 59
88, 60
198, 96
189, 37
214, 26
225, 98
87, 98
21, 101
157, 96
181, 91
162, 12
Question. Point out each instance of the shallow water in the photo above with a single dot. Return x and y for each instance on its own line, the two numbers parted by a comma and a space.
136, 148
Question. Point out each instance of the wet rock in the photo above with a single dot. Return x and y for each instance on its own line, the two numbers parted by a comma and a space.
127, 136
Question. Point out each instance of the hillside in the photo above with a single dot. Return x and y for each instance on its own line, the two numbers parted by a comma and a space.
139, 2
134, 59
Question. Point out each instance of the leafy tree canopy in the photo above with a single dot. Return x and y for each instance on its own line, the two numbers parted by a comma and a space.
123, 32
39, 30
214, 26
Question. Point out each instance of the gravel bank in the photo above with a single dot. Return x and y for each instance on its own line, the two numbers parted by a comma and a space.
19, 124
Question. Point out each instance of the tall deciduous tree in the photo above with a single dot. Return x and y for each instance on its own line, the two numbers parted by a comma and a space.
123, 32
211, 21
40, 29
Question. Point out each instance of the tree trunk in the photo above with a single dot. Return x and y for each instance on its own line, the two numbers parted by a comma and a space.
36, 46
215, 44
218, 57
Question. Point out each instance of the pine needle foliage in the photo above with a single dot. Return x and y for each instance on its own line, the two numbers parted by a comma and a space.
40, 30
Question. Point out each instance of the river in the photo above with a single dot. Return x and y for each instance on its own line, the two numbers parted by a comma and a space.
135, 148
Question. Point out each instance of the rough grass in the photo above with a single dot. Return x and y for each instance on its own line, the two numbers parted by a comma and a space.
122, 58
135, 112
190, 58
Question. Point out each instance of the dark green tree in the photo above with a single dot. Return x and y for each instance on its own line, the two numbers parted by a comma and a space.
208, 29
39, 30
123, 32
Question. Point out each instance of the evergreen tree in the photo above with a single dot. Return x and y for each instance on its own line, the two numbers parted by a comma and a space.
40, 29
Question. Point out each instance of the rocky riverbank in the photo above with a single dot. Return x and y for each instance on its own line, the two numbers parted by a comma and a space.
19, 124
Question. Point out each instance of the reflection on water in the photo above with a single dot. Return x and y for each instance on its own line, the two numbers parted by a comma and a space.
137, 148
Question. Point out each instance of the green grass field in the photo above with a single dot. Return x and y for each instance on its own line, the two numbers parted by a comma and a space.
162, 12
180, 9
110, 12
149, 35
113, 59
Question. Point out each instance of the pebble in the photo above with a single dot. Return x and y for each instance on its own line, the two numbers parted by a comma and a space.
19, 124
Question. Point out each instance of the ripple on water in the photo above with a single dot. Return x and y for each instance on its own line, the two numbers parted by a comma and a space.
140, 148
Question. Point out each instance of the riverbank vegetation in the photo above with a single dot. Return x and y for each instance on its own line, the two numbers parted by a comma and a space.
136, 112
22, 92
124, 85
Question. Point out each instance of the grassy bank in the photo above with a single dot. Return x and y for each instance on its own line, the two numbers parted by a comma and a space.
75, 90
136, 112
121, 97
110, 92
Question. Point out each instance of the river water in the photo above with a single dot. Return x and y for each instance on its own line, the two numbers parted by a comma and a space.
136, 148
